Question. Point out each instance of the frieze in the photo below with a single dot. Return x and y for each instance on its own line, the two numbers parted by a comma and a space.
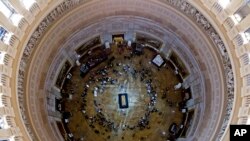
37, 34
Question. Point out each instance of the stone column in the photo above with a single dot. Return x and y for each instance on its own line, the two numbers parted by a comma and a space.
228, 23
166, 50
191, 103
216, 8
244, 112
53, 94
5, 70
222, 16
9, 50
68, 57
208, 3
129, 35
242, 50
7, 133
7, 111
106, 37
35, 9
5, 91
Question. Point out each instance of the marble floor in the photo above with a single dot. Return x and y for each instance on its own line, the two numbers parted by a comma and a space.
152, 99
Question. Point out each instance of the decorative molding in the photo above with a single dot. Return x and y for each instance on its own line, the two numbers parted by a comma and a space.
191, 11
55, 14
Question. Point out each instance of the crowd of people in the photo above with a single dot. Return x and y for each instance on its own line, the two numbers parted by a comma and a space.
109, 73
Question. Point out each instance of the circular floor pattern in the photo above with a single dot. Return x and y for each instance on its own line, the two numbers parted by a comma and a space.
153, 103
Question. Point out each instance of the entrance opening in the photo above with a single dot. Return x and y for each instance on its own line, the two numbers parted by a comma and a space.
118, 38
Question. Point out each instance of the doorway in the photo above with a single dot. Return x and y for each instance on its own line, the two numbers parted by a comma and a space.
118, 38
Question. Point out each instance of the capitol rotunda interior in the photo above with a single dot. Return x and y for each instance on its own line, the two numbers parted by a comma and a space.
132, 70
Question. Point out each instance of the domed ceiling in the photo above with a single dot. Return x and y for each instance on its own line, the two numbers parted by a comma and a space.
179, 27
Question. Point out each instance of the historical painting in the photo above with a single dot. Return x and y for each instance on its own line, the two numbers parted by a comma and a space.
61, 76
148, 40
89, 44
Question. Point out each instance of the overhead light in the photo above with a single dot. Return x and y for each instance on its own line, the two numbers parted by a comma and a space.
247, 34
28, 3
2, 54
7, 11
7, 38
224, 3
3, 123
234, 19
238, 17
16, 18
244, 37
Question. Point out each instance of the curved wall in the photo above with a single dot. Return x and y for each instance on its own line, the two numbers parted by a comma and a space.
50, 45
130, 25
218, 18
